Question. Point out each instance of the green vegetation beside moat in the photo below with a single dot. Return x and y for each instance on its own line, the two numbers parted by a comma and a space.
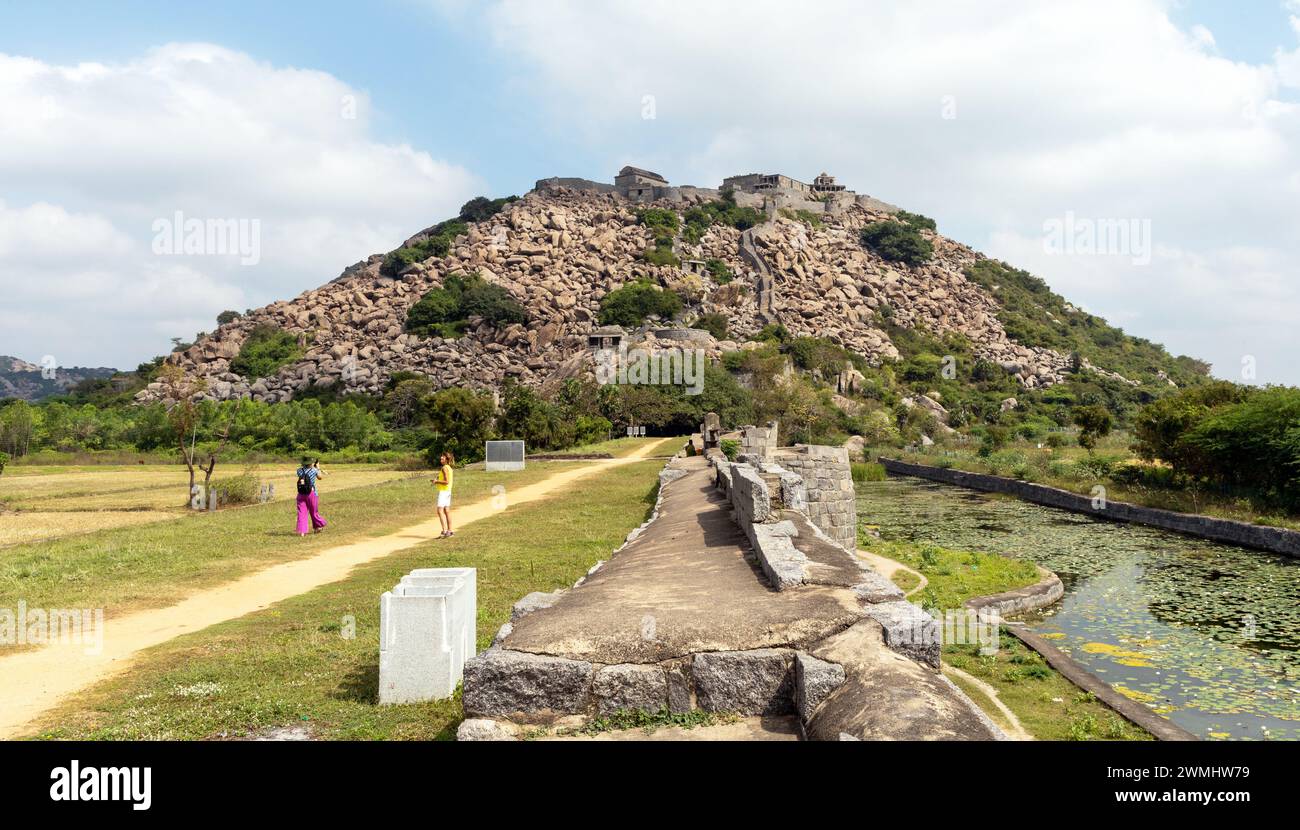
1047, 705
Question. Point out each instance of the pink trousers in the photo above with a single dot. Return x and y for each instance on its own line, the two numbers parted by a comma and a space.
309, 508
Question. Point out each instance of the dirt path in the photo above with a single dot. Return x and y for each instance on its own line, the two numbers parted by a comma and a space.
888, 567
1011, 724
35, 681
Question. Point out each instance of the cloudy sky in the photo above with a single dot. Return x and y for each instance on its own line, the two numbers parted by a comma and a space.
342, 128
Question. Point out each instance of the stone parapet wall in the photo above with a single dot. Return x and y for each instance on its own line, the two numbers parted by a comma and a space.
764, 494
828, 485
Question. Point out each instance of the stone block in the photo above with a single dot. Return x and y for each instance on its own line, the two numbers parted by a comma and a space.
535, 601
486, 729
813, 680
756, 682
750, 494
505, 683
680, 696
630, 687
909, 630
874, 588
782, 563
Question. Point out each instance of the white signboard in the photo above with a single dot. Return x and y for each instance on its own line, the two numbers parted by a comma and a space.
505, 456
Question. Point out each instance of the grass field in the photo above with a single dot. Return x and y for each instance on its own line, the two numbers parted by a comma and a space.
34, 526
46, 503
158, 487
1048, 705
291, 665
89, 536
616, 447
155, 564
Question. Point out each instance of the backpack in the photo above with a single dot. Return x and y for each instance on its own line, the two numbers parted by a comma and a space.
304, 484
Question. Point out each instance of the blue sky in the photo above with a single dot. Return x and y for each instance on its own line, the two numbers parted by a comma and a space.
1181, 114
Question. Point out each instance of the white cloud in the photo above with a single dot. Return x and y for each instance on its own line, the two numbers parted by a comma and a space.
1106, 109
46, 233
92, 154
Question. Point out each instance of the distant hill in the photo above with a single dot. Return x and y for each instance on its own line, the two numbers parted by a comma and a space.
20, 379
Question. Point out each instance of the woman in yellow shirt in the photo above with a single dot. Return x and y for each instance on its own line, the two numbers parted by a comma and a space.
443, 485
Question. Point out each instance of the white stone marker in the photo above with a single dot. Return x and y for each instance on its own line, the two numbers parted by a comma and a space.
427, 630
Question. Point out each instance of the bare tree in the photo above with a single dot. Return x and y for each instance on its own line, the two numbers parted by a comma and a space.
182, 394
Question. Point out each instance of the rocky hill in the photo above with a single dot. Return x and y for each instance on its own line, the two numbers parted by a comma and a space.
560, 249
20, 379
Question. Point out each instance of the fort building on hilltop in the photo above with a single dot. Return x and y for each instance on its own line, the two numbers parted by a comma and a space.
756, 182
635, 183
765, 191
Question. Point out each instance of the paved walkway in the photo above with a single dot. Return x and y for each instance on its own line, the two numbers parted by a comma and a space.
33, 682
685, 587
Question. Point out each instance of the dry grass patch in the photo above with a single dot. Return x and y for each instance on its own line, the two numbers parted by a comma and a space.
161, 488
18, 528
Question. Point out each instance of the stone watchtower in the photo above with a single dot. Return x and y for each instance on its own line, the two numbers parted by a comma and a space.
635, 183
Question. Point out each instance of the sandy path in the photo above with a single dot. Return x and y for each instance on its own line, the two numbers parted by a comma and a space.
887, 567
1012, 726
35, 681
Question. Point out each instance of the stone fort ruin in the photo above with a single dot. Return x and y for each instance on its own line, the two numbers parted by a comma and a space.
764, 191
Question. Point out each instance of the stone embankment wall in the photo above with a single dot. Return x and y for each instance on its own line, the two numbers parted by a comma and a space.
1041, 594
1274, 539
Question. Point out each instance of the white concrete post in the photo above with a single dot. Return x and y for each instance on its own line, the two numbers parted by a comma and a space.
427, 630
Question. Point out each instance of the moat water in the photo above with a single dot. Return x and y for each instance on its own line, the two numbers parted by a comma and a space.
1206, 634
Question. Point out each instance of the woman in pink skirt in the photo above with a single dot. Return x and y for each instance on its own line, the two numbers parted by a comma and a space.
308, 498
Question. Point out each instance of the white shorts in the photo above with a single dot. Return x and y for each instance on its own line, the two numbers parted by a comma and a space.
444, 498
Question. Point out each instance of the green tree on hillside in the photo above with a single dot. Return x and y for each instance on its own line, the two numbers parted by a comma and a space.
264, 351
630, 304
445, 310
1093, 422
897, 242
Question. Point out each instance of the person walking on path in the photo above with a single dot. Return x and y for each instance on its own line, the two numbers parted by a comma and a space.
443, 485
309, 516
